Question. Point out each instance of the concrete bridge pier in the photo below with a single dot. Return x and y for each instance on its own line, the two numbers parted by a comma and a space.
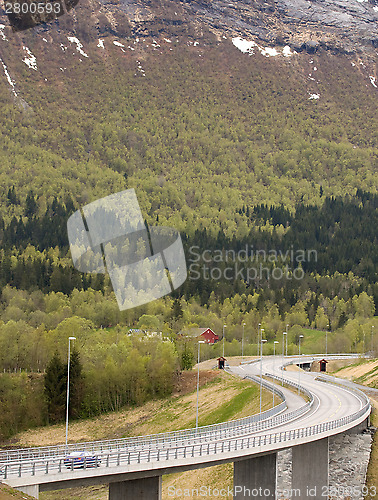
33, 490
310, 470
148, 488
256, 478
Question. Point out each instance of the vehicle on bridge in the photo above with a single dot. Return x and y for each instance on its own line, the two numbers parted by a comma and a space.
81, 460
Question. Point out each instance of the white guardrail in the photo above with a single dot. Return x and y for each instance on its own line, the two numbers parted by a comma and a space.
223, 430
205, 441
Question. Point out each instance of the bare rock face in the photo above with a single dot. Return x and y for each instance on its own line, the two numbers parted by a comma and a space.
305, 25
349, 23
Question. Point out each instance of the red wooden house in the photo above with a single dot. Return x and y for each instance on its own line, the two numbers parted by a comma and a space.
205, 334
209, 336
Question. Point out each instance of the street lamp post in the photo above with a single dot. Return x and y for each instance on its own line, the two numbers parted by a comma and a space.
198, 362
299, 373
68, 384
274, 361
261, 336
261, 352
258, 340
284, 334
327, 340
287, 331
243, 342
371, 346
224, 326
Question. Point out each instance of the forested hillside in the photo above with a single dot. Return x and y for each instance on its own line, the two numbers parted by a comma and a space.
268, 153
197, 137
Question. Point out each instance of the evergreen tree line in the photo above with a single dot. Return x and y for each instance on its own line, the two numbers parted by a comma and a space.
44, 231
338, 237
342, 233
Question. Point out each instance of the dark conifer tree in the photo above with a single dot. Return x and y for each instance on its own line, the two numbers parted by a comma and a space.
30, 205
76, 385
177, 311
55, 389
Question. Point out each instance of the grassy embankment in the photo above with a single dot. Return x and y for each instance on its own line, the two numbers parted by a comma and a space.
7, 493
222, 397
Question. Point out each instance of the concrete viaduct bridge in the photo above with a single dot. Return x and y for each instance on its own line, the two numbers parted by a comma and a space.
133, 467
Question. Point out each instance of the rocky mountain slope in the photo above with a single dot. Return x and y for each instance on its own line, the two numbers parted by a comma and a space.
272, 27
338, 24
312, 26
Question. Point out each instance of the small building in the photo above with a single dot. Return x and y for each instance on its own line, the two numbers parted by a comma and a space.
205, 334
221, 362
323, 365
209, 336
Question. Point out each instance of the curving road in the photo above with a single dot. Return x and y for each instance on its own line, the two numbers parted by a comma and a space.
331, 409
331, 401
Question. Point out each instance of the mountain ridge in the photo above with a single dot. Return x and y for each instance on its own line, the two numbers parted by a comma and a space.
347, 25
341, 27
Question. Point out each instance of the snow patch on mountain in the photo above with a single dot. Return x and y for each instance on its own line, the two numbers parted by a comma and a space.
8, 77
269, 52
79, 45
248, 47
2, 34
30, 60
244, 46
287, 52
